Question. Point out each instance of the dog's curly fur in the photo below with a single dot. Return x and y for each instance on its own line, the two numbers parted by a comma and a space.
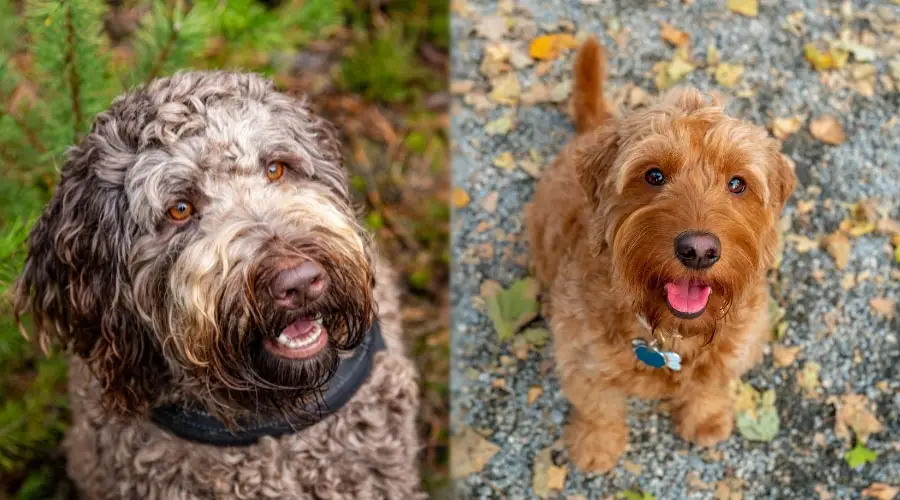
602, 243
157, 309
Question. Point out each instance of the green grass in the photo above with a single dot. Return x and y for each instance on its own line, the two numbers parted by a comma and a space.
378, 57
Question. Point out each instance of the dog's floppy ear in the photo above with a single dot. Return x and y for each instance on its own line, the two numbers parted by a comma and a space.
782, 179
595, 153
75, 283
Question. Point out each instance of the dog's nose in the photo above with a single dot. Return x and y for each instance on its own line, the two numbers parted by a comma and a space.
698, 250
299, 285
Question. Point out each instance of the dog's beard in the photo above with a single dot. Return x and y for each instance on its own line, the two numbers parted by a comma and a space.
253, 377
214, 337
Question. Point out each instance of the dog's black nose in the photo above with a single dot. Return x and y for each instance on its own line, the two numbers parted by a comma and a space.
698, 250
299, 285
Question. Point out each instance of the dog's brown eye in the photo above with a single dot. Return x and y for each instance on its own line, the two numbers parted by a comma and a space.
737, 185
655, 177
181, 211
275, 170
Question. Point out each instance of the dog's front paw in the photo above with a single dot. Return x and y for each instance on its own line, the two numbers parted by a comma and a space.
704, 425
596, 448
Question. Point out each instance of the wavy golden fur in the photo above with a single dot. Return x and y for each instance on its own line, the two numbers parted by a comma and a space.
605, 253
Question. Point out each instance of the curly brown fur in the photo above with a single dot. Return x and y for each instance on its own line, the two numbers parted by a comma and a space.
159, 308
602, 243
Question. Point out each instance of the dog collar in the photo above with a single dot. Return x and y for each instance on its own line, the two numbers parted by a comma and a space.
194, 424
651, 353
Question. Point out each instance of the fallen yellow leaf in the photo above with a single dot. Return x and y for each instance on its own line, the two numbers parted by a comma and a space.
832, 58
460, 197
505, 160
670, 72
745, 7
549, 47
728, 75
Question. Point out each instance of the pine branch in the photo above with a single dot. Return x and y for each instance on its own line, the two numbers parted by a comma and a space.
74, 81
167, 48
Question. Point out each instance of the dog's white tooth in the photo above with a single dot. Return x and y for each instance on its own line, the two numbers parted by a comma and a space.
283, 339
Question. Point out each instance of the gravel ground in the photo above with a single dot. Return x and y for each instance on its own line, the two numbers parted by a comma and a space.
836, 326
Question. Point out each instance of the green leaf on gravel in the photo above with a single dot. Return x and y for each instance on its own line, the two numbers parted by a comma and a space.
755, 414
635, 495
763, 428
512, 308
859, 456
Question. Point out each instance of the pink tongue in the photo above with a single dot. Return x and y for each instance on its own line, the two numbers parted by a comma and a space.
687, 296
298, 328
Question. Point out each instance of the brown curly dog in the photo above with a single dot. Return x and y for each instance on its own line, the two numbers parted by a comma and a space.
201, 261
659, 227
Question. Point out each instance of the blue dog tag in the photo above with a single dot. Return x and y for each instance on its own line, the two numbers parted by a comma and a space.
653, 357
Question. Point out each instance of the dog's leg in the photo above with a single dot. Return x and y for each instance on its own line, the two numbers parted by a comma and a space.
598, 430
704, 414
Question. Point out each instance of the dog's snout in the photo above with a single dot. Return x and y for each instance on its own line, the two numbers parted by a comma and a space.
299, 285
698, 250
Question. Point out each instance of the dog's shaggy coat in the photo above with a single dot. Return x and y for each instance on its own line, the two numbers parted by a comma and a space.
154, 266
601, 236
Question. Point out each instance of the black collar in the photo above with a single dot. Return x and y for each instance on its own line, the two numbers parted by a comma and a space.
197, 425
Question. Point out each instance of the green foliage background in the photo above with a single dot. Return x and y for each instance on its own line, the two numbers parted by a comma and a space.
63, 61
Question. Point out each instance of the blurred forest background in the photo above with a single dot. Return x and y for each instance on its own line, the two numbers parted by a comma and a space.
376, 68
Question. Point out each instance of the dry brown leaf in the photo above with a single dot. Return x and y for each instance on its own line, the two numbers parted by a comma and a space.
883, 306
493, 28
460, 197
460, 87
489, 203
534, 392
506, 89
673, 35
730, 489
494, 62
854, 413
828, 129
696, 483
881, 491
783, 127
808, 378
547, 476
823, 493
801, 243
748, 8
548, 47
784, 355
838, 246
471, 452
632, 467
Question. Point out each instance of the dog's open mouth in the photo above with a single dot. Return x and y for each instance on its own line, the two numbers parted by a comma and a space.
302, 339
687, 298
